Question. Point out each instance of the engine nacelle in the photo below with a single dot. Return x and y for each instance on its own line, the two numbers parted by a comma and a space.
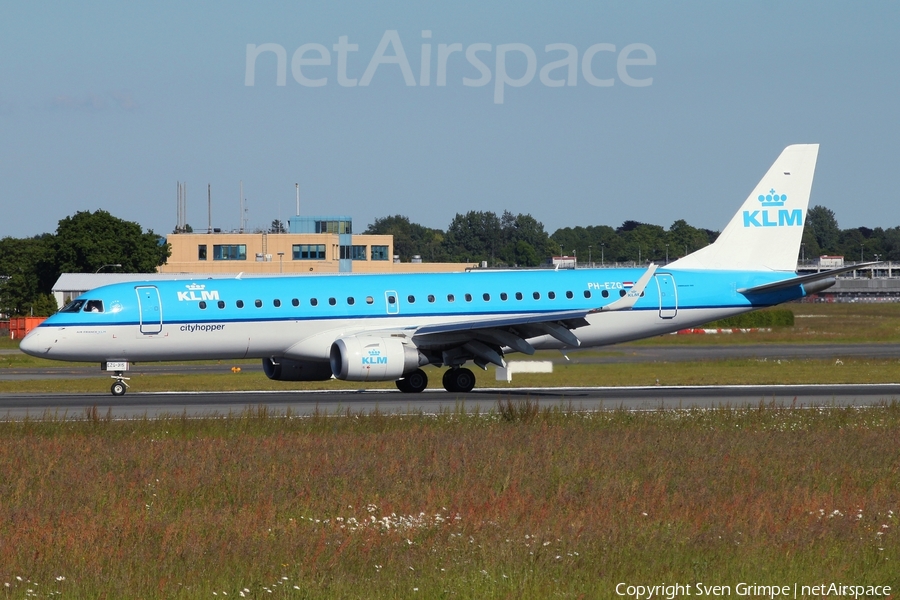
285, 369
372, 358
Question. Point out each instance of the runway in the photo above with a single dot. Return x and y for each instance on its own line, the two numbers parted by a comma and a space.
154, 405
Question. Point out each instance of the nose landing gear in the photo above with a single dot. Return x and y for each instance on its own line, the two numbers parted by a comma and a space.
119, 386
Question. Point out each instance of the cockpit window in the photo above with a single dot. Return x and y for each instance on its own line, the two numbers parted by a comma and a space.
73, 307
94, 306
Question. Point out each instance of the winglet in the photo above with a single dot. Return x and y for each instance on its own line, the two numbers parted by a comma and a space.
627, 301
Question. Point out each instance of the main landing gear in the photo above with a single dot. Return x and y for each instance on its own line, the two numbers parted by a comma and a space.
460, 380
119, 386
457, 380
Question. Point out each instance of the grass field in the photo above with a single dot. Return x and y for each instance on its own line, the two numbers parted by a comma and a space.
518, 503
515, 503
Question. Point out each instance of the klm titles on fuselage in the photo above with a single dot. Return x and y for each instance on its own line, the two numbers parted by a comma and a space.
196, 293
769, 217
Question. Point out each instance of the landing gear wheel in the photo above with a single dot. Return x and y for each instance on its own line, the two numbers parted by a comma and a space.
119, 386
413, 383
459, 380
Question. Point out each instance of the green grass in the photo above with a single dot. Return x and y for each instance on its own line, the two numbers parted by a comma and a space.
517, 503
726, 372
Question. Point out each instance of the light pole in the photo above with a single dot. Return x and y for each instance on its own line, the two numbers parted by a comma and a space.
104, 266
860, 252
803, 253
602, 261
667, 254
590, 257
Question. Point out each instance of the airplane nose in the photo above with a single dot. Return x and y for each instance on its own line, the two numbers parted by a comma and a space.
34, 343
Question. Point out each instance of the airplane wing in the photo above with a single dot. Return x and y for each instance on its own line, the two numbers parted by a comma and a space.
822, 276
482, 339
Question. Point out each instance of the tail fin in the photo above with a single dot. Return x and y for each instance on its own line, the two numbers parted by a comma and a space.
765, 233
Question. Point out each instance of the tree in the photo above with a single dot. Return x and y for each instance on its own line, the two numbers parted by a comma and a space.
86, 241
474, 236
27, 274
410, 239
823, 226
277, 227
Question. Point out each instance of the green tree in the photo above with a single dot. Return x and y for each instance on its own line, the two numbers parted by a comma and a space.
27, 272
277, 226
410, 239
821, 222
474, 236
86, 241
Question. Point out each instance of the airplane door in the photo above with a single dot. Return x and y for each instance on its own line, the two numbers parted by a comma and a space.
668, 297
149, 309
393, 302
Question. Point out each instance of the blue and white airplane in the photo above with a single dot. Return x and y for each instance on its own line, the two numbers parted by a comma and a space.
386, 327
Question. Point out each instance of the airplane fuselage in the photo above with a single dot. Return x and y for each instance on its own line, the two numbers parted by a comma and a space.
300, 317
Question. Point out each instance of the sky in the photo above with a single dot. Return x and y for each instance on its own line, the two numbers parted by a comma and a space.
578, 113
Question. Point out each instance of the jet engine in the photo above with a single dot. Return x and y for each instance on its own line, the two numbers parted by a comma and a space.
285, 369
372, 358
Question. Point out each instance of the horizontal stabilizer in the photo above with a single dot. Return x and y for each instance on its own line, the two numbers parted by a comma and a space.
803, 279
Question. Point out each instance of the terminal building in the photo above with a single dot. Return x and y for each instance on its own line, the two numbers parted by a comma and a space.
324, 244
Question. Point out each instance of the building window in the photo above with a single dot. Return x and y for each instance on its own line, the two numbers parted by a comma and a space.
334, 227
201, 252
380, 253
353, 252
230, 252
308, 251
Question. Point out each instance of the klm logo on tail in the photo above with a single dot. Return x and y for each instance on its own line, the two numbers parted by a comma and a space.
770, 217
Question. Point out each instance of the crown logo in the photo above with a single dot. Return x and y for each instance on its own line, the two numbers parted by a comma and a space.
195, 286
773, 199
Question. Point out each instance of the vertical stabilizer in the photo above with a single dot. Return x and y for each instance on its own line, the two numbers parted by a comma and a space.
765, 233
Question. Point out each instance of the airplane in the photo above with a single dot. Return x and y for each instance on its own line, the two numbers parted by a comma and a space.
370, 327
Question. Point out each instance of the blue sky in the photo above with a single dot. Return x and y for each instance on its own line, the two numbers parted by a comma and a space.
109, 105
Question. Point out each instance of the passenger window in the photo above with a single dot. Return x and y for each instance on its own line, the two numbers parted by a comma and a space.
468, 297
276, 302
411, 299
239, 304
350, 300
605, 294
536, 295
622, 293
370, 300
518, 295
451, 298
94, 306
503, 296
392, 300
551, 295
587, 293
487, 297
570, 295
221, 303
332, 301
257, 303
202, 305
295, 302
431, 297
313, 302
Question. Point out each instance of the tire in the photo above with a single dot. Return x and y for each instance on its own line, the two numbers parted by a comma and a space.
413, 383
449, 381
459, 381
118, 389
